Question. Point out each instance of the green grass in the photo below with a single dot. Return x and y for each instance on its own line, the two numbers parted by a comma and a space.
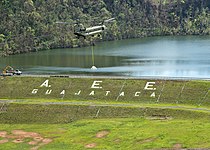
124, 133
167, 92
178, 115
20, 113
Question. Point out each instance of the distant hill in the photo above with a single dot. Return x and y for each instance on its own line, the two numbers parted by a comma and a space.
30, 25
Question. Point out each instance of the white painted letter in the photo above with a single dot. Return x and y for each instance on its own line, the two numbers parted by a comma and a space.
92, 93
149, 86
137, 94
107, 93
46, 84
48, 92
34, 91
63, 92
122, 94
152, 95
78, 93
96, 84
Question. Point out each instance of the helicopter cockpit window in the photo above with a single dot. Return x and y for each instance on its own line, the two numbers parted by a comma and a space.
79, 27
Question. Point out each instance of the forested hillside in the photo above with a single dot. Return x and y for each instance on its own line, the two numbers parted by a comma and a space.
30, 25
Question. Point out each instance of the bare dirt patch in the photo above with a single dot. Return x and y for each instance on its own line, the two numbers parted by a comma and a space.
4, 141
25, 134
18, 132
117, 140
20, 136
18, 141
177, 146
33, 134
35, 148
3, 133
102, 134
32, 143
40, 143
146, 140
46, 141
91, 145
38, 138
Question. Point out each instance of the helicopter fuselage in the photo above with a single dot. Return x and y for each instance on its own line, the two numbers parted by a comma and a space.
91, 31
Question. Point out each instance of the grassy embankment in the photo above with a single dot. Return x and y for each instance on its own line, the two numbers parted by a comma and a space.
126, 98
167, 92
168, 119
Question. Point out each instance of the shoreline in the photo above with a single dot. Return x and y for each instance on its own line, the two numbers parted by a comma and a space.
71, 76
3, 53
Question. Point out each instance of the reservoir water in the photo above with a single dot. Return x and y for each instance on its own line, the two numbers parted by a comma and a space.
182, 56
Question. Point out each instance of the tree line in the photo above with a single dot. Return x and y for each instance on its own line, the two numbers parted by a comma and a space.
30, 25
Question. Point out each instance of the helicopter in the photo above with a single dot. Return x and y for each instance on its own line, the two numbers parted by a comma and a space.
81, 31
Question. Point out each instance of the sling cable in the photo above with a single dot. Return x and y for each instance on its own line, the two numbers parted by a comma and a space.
93, 59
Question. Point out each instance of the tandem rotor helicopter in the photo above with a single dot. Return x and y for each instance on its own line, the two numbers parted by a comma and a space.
81, 31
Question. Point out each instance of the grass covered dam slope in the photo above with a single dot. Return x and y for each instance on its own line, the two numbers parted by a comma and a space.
107, 90
100, 113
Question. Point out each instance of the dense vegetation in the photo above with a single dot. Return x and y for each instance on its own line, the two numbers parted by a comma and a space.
30, 25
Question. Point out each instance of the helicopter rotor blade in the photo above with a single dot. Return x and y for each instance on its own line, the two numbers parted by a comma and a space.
60, 22
71, 23
109, 20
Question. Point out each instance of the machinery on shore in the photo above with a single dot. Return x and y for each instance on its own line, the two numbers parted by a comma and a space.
10, 71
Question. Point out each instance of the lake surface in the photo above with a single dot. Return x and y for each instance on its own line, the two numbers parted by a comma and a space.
184, 56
